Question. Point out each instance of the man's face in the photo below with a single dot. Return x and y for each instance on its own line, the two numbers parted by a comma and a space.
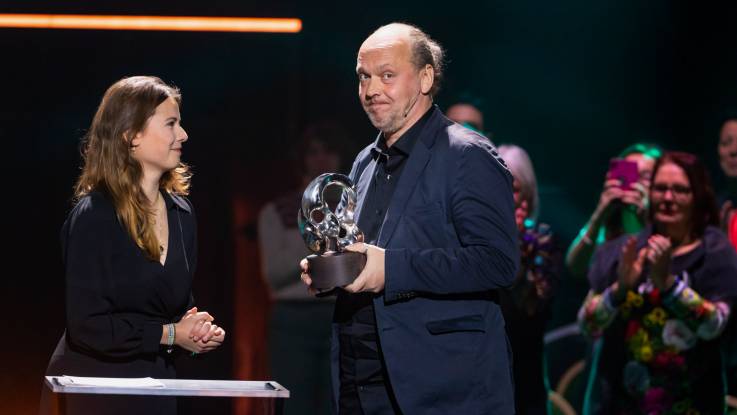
466, 114
388, 82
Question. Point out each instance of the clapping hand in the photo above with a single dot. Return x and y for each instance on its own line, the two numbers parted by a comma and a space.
659, 252
630, 264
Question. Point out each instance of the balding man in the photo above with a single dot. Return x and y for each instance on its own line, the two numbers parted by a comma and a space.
420, 331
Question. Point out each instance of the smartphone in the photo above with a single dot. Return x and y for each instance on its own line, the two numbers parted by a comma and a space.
625, 171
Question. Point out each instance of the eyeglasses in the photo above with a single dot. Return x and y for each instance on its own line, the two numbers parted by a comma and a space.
677, 189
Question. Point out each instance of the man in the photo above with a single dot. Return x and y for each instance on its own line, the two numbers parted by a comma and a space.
467, 115
419, 331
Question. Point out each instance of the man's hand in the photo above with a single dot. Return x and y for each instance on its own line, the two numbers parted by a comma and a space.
371, 279
305, 275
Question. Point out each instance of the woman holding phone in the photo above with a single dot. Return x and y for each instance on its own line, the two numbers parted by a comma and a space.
129, 247
622, 205
662, 299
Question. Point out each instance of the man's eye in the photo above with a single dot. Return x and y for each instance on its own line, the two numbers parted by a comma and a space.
388, 75
362, 77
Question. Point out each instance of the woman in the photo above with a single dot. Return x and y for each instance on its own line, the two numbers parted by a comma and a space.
727, 150
619, 211
526, 306
129, 249
727, 198
662, 300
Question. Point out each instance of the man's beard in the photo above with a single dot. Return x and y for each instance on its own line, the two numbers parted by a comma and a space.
390, 123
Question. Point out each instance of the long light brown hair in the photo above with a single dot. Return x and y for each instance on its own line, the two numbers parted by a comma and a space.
108, 163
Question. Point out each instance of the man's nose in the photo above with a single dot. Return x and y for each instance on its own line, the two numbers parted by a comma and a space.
373, 87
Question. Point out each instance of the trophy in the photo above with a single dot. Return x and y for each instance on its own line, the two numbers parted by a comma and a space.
327, 230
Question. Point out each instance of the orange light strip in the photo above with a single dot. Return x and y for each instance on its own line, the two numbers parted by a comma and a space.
174, 23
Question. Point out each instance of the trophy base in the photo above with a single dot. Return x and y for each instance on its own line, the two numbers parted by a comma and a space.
335, 269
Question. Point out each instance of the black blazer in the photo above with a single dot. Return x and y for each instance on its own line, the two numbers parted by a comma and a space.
451, 242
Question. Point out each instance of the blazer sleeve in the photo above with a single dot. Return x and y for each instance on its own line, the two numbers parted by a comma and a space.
92, 323
482, 209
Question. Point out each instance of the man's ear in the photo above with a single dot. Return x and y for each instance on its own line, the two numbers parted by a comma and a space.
427, 78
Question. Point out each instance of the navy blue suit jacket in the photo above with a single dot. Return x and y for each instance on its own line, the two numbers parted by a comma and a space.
451, 242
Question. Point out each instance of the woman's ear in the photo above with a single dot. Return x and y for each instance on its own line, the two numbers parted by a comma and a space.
427, 78
132, 140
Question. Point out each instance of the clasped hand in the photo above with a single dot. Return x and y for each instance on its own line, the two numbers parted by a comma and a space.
197, 333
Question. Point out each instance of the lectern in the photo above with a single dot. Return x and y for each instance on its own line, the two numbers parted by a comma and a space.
172, 387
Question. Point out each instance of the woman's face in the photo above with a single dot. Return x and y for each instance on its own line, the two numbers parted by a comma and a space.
671, 196
319, 159
521, 204
159, 146
728, 148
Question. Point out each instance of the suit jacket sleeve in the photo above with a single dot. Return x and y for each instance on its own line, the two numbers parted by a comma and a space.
482, 209
92, 324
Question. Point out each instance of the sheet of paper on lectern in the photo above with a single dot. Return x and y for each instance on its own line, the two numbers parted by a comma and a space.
110, 382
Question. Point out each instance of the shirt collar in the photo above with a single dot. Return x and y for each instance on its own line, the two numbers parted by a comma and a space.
406, 142
173, 200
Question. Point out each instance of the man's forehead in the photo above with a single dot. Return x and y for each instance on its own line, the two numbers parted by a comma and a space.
383, 50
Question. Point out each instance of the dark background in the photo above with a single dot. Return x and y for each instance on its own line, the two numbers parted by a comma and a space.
573, 82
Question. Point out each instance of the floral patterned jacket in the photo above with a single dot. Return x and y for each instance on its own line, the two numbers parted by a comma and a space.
664, 343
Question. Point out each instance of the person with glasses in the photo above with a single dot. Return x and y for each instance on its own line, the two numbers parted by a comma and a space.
661, 300
620, 210
526, 306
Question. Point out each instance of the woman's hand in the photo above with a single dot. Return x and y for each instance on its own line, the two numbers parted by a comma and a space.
201, 327
194, 328
637, 196
629, 268
659, 251
725, 215
612, 192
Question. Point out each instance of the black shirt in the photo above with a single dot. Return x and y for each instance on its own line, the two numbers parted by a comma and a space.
354, 312
117, 301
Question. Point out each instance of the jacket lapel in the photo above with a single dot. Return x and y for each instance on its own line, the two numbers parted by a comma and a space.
416, 164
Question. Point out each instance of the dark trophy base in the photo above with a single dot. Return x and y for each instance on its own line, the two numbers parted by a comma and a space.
335, 269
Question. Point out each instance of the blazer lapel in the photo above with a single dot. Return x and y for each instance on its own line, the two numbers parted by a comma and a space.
416, 164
